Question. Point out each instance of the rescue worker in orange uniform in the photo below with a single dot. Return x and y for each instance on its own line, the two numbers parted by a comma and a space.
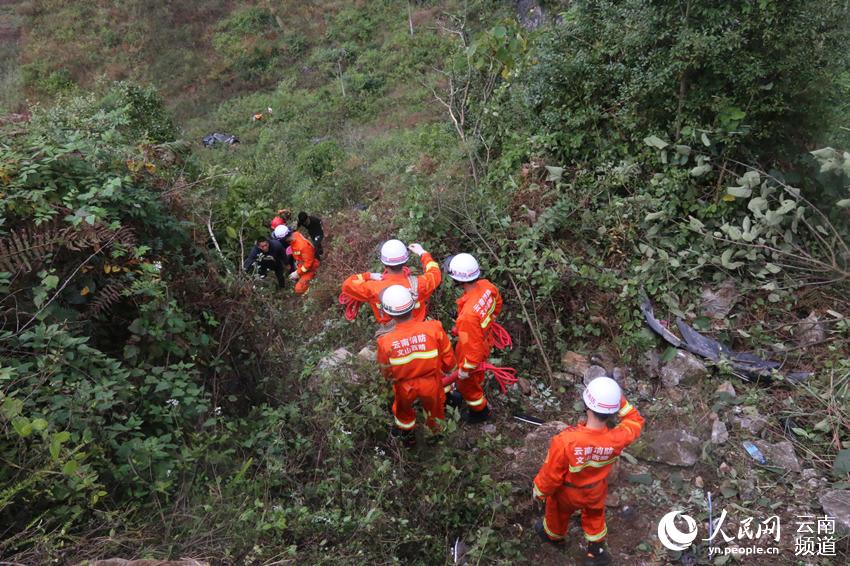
367, 287
414, 355
477, 310
304, 255
574, 474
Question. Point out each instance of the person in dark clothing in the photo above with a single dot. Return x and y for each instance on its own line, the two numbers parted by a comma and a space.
268, 255
313, 225
281, 231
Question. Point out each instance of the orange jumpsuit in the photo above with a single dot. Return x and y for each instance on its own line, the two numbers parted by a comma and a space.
361, 288
575, 474
306, 263
415, 355
477, 310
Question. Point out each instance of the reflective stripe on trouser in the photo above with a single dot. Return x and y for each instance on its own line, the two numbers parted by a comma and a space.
566, 500
303, 284
472, 389
429, 391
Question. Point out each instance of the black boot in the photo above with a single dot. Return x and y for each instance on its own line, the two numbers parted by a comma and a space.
454, 399
477, 417
541, 532
596, 555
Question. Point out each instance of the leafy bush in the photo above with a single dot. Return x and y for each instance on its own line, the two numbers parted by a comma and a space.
759, 76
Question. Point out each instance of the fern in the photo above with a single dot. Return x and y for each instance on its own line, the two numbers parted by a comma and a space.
26, 249
107, 296
98, 236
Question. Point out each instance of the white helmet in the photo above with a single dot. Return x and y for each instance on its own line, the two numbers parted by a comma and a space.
394, 252
281, 232
464, 268
396, 300
603, 395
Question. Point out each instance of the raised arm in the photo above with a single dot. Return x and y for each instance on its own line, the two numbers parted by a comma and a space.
432, 276
629, 427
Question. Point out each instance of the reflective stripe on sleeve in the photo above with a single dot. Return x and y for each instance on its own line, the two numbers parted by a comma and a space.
431, 264
537, 492
304, 269
625, 410
403, 425
486, 320
427, 355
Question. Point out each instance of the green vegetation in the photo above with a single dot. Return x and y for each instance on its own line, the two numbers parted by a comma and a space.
154, 403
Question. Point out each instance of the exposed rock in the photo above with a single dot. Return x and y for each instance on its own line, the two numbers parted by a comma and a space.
592, 373
726, 387
575, 364
649, 364
836, 503
489, 428
719, 434
528, 458
613, 499
698, 481
809, 474
561, 376
810, 331
672, 447
685, 368
719, 303
629, 384
605, 359
367, 354
752, 421
644, 391
334, 360
524, 385
747, 489
530, 14
780, 454
621, 374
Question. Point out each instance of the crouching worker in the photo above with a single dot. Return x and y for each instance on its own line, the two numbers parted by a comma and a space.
304, 254
414, 355
574, 475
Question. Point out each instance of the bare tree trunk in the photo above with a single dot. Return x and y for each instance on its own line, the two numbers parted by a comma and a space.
339, 74
215, 243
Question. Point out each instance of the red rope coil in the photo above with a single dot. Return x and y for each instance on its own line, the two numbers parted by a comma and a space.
501, 338
351, 306
504, 376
